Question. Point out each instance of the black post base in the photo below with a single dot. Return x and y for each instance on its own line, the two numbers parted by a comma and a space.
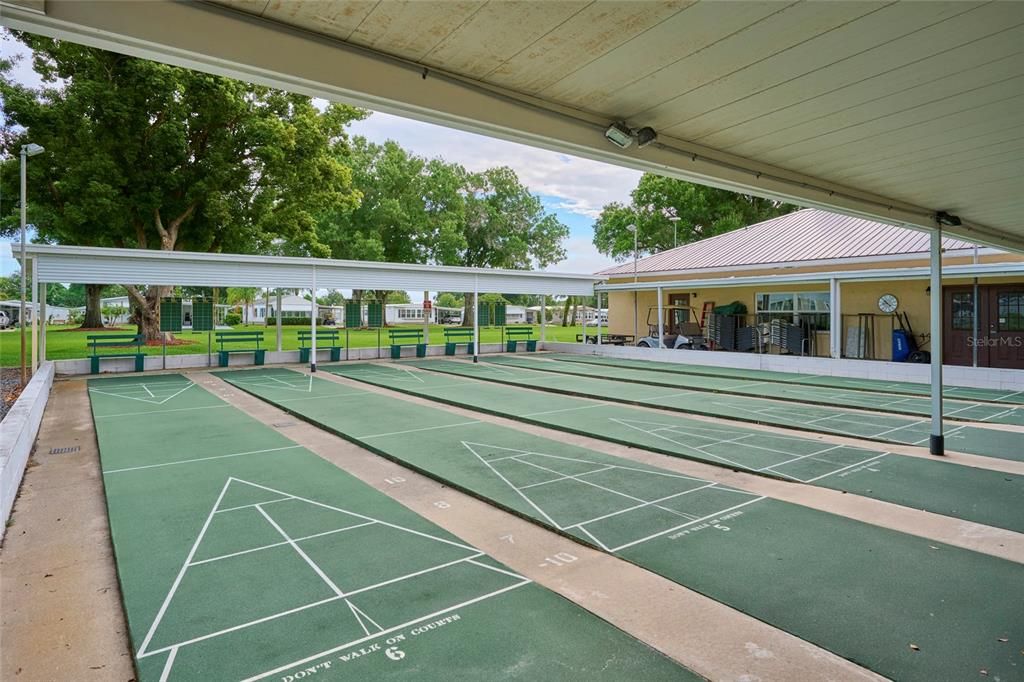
937, 445
312, 367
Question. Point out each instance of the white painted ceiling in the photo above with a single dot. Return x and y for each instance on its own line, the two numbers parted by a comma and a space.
917, 103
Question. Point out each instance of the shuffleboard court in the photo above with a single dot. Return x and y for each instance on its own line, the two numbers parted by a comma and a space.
863, 592
851, 383
800, 393
242, 556
960, 437
979, 495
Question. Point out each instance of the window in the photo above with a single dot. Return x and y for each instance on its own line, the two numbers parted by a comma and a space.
963, 310
410, 314
805, 307
1011, 311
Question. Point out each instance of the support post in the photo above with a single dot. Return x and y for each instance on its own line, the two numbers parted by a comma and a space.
312, 328
599, 318
277, 320
661, 321
35, 317
543, 318
427, 314
835, 335
974, 314
42, 317
476, 317
936, 442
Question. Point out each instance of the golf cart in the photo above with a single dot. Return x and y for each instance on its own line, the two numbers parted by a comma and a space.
681, 329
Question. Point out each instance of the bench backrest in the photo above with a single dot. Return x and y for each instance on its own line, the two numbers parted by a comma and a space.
306, 336
526, 332
403, 334
109, 340
462, 333
239, 337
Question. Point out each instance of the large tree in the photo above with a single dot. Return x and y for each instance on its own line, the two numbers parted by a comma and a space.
146, 155
702, 212
430, 211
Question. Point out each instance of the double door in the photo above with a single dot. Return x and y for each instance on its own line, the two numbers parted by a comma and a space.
999, 340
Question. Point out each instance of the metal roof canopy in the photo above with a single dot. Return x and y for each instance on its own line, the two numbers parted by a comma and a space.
889, 111
84, 264
948, 272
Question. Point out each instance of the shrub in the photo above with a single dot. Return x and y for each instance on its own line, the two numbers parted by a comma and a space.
232, 319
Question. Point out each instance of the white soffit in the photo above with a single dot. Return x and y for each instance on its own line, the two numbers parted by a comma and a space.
77, 264
890, 111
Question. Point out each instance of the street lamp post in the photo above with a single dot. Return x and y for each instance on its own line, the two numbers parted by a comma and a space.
636, 325
27, 150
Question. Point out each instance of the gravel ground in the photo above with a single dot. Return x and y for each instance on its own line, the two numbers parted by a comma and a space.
10, 388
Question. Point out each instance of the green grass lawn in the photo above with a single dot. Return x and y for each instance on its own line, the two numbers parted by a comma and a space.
65, 343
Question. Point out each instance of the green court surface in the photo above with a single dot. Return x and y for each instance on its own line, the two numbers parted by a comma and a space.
960, 437
864, 592
242, 556
850, 383
768, 388
973, 494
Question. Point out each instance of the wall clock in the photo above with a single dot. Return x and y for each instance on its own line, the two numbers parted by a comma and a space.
888, 303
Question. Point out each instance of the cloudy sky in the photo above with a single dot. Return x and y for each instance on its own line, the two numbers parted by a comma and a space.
574, 189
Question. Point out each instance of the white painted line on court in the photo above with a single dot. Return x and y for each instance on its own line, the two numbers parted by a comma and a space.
415, 574
594, 538
360, 615
305, 557
689, 523
646, 504
181, 573
178, 409
497, 473
199, 459
279, 544
560, 478
425, 428
356, 642
833, 473
255, 504
168, 664
700, 453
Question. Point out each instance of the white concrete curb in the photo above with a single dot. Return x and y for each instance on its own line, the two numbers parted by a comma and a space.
18, 432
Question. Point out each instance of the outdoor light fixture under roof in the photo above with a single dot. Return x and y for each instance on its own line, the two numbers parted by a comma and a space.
32, 149
948, 219
645, 136
619, 134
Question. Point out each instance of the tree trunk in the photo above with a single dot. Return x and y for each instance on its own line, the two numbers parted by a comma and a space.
146, 311
93, 306
565, 311
468, 304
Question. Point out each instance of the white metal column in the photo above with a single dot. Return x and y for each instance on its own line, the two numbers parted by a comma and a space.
312, 327
476, 318
277, 320
42, 327
936, 444
543, 318
661, 321
35, 317
835, 334
598, 318
426, 317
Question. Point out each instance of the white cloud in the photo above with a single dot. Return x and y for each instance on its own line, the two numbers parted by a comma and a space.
583, 185
581, 257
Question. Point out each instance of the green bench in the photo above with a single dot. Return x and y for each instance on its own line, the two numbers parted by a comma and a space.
98, 341
407, 337
514, 334
331, 341
455, 337
230, 338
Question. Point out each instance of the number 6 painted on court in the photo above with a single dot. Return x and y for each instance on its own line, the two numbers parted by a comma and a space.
394, 653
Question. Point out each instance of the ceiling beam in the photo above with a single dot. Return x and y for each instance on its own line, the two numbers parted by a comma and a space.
220, 41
